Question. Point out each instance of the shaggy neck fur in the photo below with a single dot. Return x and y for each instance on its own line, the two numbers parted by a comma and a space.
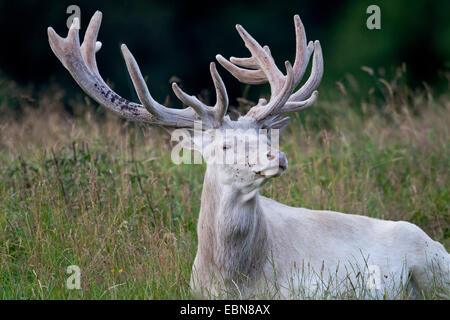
232, 233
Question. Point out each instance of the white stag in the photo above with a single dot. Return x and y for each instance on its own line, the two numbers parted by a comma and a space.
249, 244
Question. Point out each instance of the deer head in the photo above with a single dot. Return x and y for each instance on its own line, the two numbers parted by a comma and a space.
244, 172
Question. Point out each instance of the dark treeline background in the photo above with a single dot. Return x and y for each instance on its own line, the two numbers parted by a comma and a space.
174, 38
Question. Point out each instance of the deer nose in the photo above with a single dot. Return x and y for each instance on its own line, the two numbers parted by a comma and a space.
282, 161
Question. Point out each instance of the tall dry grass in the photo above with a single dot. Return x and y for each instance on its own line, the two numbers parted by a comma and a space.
91, 190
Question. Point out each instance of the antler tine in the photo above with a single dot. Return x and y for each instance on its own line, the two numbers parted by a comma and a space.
302, 51
314, 79
244, 62
141, 88
243, 75
189, 100
249, 62
263, 59
300, 105
80, 62
273, 107
220, 109
90, 44
214, 113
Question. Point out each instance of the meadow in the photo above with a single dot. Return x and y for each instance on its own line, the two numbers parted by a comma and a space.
88, 189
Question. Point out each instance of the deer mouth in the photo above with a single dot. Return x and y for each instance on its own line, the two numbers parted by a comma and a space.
274, 169
271, 172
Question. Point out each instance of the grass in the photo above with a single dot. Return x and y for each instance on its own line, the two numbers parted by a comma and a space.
101, 193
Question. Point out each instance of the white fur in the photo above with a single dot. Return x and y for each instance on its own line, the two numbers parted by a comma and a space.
251, 245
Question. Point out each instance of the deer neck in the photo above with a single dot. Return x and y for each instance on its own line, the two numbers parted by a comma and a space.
231, 230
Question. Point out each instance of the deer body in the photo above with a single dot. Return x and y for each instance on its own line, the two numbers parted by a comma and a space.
248, 245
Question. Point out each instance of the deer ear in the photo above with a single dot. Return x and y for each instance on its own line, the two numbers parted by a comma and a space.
279, 124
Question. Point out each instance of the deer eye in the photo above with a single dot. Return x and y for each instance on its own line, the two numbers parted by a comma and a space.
226, 147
